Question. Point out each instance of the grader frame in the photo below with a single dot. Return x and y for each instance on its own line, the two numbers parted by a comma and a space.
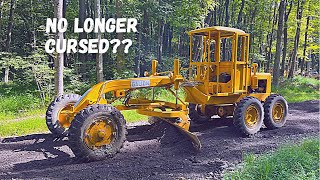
214, 86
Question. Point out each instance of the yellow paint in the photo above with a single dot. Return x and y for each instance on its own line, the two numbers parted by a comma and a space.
251, 116
64, 117
98, 134
278, 112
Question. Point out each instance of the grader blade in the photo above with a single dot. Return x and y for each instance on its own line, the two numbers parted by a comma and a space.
189, 135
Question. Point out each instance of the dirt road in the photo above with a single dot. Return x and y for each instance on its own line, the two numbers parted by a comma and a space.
41, 156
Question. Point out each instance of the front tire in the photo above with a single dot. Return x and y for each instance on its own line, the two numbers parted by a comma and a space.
248, 116
275, 111
97, 132
57, 118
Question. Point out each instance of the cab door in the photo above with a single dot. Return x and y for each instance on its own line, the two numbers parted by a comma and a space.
240, 57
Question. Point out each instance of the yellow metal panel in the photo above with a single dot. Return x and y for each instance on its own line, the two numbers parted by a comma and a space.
223, 30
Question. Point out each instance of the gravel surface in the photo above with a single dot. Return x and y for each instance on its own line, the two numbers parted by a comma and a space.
41, 156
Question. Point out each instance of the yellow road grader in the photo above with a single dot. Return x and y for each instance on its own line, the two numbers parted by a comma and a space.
220, 82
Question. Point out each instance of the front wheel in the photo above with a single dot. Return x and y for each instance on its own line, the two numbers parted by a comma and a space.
248, 116
275, 111
97, 132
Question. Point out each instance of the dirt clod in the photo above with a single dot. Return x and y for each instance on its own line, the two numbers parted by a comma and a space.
42, 156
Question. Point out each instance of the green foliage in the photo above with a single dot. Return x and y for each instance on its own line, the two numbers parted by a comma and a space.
288, 163
299, 89
23, 127
18, 104
18, 100
10, 59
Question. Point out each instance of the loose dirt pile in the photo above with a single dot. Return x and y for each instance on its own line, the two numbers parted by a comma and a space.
41, 156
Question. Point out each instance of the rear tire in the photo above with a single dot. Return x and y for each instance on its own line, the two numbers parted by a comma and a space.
275, 111
248, 116
85, 137
195, 116
57, 124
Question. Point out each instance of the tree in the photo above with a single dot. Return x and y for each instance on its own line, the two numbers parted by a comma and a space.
297, 37
9, 38
160, 39
240, 14
99, 59
120, 53
82, 35
276, 67
305, 45
269, 53
59, 60
224, 53
285, 39
1, 5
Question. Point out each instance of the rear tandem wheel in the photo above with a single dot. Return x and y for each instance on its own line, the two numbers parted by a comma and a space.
275, 111
248, 116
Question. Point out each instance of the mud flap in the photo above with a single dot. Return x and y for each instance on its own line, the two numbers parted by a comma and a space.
192, 137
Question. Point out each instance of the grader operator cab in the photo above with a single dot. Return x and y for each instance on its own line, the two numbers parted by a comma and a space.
220, 82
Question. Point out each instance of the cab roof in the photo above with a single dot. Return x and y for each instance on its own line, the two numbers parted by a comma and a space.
225, 31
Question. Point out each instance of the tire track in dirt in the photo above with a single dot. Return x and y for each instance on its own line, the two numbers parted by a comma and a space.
41, 156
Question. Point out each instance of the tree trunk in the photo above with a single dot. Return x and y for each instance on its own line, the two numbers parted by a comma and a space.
313, 62
160, 40
232, 19
58, 64
83, 35
220, 13
6, 75
215, 16
138, 55
276, 67
179, 44
99, 56
271, 40
10, 25
1, 5
253, 15
170, 41
285, 40
296, 41
9, 38
240, 14
145, 41
226, 24
166, 32
305, 46
120, 52
208, 19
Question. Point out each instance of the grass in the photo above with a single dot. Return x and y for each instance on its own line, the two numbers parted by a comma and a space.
23, 127
290, 162
133, 116
299, 89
